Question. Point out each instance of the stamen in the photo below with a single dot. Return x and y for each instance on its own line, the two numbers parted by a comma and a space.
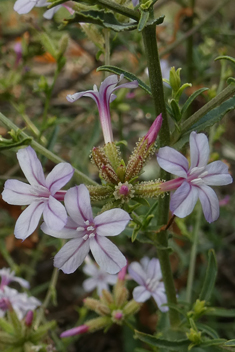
79, 228
91, 235
90, 228
87, 222
197, 181
85, 237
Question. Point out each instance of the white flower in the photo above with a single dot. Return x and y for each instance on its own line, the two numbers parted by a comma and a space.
8, 276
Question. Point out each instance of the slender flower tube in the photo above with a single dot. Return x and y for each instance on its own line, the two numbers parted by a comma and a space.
40, 195
148, 275
8, 276
193, 182
88, 233
99, 278
103, 98
75, 331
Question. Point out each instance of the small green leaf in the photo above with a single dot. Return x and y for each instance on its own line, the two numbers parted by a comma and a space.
229, 343
7, 327
42, 331
221, 312
141, 201
129, 76
162, 343
175, 110
210, 277
212, 342
144, 16
191, 99
207, 330
9, 143
135, 233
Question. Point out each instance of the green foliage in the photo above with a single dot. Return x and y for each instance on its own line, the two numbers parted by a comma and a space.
209, 281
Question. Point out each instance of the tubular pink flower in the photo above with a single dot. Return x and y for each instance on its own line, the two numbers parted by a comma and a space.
99, 278
29, 318
40, 195
103, 98
88, 233
75, 331
8, 276
154, 130
148, 275
122, 273
193, 182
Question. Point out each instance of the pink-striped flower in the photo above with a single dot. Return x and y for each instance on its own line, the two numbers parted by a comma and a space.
88, 233
42, 195
103, 98
194, 181
148, 275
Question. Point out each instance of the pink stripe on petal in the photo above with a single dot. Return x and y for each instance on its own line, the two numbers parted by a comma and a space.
71, 255
78, 205
199, 149
210, 203
172, 161
18, 193
28, 221
68, 231
141, 294
111, 222
54, 214
107, 255
59, 176
31, 166
183, 200
137, 273
218, 174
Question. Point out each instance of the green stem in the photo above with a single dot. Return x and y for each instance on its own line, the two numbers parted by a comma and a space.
195, 29
190, 65
50, 291
193, 255
48, 154
219, 99
155, 77
107, 49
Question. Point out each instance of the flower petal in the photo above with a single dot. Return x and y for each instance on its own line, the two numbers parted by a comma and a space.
59, 176
210, 203
78, 205
24, 6
141, 294
218, 174
107, 255
199, 149
71, 255
50, 13
54, 214
28, 220
137, 273
184, 199
31, 166
68, 231
90, 269
17, 193
89, 284
24, 283
154, 269
172, 161
111, 222
160, 297
89, 93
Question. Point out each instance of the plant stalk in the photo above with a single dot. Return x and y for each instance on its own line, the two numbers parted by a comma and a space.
155, 77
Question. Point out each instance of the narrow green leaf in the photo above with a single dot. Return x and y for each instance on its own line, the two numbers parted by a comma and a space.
7, 327
135, 233
129, 76
144, 16
226, 57
210, 277
162, 343
42, 331
102, 18
175, 110
208, 120
229, 343
208, 330
221, 312
191, 99
212, 342
7, 144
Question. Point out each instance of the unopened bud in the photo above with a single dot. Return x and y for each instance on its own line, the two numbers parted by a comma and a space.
106, 297
108, 174
121, 171
99, 307
98, 323
113, 154
194, 336
63, 45
131, 307
29, 318
124, 191
75, 331
99, 192
154, 130
120, 293
122, 273
174, 79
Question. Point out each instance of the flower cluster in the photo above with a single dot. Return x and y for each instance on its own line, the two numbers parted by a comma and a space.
11, 298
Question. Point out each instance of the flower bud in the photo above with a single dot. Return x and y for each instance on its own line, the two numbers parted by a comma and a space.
75, 331
117, 317
106, 297
120, 293
154, 130
174, 79
124, 191
122, 273
98, 323
131, 307
112, 152
29, 318
99, 307
194, 336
